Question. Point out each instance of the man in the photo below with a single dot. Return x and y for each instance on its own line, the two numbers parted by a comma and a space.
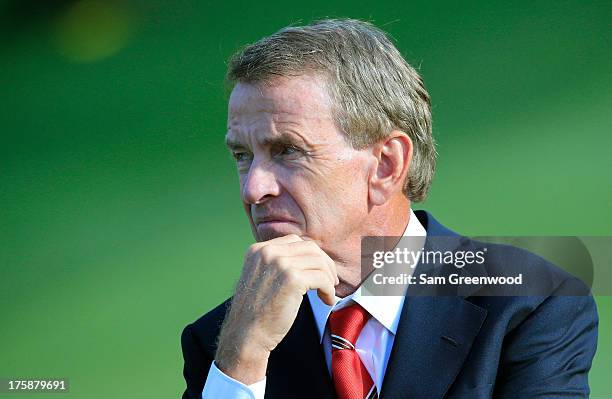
331, 132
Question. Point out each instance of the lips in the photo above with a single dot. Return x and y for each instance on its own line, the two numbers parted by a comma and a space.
261, 214
272, 219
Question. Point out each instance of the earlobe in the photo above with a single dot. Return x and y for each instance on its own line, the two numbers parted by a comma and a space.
376, 195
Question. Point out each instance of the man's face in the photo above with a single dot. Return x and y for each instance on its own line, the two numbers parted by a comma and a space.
298, 174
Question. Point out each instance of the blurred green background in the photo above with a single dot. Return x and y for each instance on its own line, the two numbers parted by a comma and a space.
120, 219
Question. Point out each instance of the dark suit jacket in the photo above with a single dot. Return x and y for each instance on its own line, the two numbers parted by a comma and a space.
446, 346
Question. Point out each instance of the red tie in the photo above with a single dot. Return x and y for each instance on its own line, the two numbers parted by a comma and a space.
351, 378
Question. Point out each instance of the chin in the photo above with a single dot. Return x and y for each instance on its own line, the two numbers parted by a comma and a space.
269, 231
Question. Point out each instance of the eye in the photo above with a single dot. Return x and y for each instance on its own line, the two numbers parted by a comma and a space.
241, 156
289, 151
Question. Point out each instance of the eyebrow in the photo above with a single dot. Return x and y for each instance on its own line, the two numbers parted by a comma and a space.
281, 139
233, 144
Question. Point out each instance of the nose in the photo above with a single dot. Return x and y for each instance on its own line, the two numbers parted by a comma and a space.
259, 184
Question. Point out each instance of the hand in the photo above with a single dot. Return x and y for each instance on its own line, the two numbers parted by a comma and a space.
275, 276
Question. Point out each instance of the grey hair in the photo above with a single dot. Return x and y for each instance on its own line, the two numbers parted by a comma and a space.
372, 88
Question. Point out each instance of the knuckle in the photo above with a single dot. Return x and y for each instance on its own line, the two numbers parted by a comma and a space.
252, 250
266, 255
311, 245
282, 263
332, 266
292, 278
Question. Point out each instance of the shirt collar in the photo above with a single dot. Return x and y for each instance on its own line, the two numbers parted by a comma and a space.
385, 309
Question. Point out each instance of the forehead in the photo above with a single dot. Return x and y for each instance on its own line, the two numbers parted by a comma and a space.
301, 99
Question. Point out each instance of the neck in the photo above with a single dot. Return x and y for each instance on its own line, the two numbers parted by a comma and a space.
390, 220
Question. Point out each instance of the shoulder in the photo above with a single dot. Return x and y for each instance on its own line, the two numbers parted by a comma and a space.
505, 257
544, 332
204, 331
542, 282
539, 277
547, 294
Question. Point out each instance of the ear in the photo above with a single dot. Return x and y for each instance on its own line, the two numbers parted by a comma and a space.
393, 155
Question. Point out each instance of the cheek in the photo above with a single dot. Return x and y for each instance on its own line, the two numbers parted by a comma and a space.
345, 187
331, 190
350, 176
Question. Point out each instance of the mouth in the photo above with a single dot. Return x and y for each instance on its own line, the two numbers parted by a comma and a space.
269, 228
275, 223
272, 221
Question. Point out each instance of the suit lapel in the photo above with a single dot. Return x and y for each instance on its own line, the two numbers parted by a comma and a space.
297, 367
435, 331
434, 336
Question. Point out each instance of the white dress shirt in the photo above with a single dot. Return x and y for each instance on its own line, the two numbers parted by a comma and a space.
373, 344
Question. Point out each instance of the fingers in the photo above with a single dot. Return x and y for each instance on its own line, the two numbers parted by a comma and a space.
327, 298
289, 238
292, 256
256, 247
316, 280
308, 262
306, 248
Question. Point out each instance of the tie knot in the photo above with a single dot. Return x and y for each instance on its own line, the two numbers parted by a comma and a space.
346, 324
